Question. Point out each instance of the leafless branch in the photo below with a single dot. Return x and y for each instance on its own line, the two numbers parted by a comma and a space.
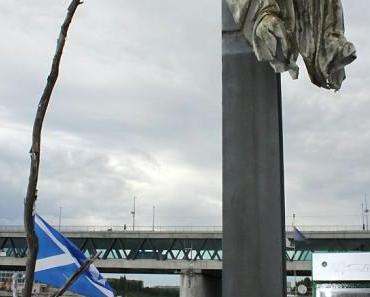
31, 196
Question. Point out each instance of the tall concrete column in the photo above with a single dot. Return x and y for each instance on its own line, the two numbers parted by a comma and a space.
253, 176
196, 284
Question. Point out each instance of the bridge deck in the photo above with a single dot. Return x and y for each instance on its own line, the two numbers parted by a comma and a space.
127, 251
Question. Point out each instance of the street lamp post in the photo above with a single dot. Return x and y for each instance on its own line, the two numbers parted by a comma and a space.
153, 218
363, 216
133, 212
366, 214
60, 218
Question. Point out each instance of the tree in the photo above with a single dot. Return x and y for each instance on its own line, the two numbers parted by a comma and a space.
31, 196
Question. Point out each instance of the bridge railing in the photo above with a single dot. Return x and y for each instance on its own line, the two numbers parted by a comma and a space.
123, 228
326, 228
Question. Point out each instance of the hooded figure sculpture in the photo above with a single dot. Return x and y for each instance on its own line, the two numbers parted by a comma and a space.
279, 30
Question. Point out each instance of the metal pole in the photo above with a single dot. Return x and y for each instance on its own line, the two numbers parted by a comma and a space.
60, 217
153, 218
366, 213
133, 212
14, 284
363, 216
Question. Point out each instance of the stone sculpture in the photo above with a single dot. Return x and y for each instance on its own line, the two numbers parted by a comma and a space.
280, 30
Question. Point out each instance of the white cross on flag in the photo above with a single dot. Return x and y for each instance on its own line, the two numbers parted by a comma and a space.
58, 258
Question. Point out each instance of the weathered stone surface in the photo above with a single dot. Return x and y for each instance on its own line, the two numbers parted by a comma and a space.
279, 30
199, 285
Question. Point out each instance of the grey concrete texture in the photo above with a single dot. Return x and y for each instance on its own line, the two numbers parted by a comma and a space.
228, 23
253, 179
199, 285
151, 266
340, 234
131, 266
129, 235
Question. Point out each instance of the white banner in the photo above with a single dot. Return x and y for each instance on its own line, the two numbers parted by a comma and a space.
341, 266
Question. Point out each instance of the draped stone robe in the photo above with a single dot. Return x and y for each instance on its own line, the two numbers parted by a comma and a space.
280, 30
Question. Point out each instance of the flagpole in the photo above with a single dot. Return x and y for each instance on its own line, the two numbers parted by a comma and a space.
52, 241
77, 274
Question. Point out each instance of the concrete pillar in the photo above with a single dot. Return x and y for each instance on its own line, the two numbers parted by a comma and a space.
253, 176
199, 285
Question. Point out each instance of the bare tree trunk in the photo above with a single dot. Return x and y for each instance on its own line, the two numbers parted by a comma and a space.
31, 196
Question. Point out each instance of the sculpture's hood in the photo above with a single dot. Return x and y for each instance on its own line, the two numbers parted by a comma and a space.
280, 30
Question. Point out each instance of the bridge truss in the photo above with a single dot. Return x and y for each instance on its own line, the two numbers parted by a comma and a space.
190, 249
180, 246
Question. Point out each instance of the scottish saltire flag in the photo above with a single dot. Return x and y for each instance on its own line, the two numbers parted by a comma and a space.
298, 235
58, 258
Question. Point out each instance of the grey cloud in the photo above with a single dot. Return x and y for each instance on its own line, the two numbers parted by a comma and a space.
326, 149
137, 111
137, 95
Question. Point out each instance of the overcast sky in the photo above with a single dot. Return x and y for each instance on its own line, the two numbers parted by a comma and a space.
137, 112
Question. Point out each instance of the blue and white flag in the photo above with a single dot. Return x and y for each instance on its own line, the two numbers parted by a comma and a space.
298, 235
58, 258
